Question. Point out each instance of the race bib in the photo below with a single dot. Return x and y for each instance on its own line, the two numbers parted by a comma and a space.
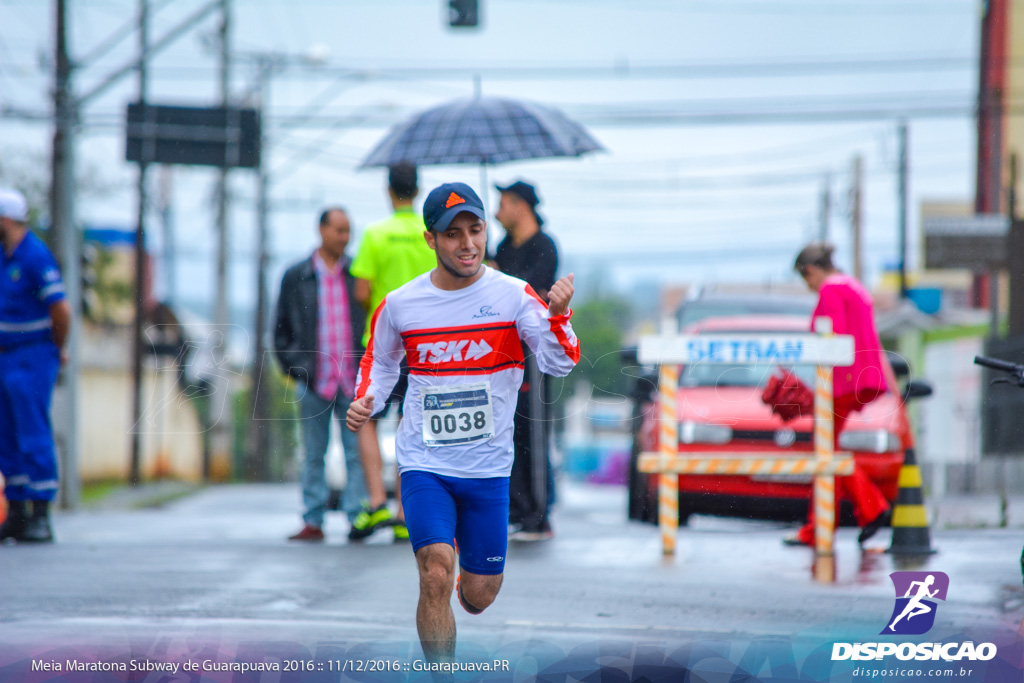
457, 414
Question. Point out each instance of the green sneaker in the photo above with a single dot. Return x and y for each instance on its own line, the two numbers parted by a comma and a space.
369, 521
401, 532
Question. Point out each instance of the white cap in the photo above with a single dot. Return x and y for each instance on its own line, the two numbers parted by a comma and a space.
13, 205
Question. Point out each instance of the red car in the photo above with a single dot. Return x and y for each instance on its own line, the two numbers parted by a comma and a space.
720, 410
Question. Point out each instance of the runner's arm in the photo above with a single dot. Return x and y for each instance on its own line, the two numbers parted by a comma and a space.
550, 337
381, 364
362, 292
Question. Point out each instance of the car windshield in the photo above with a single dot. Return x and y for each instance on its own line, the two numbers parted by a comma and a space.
730, 375
701, 309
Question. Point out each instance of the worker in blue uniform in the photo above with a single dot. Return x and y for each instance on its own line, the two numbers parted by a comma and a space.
34, 321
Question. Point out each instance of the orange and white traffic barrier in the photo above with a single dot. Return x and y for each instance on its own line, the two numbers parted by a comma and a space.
823, 350
743, 463
824, 500
668, 438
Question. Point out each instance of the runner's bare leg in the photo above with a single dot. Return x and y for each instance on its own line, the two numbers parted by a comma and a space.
434, 619
435, 622
480, 590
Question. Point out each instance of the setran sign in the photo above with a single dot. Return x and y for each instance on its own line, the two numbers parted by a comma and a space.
203, 136
747, 349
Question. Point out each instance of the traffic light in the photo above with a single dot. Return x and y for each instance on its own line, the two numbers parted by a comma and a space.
463, 13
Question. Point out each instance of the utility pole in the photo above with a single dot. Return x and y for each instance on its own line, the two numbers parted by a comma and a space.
220, 431
170, 256
1015, 261
138, 347
903, 208
825, 209
855, 215
993, 80
66, 238
260, 470
66, 241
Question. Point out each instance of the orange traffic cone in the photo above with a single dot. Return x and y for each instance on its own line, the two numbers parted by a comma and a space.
910, 534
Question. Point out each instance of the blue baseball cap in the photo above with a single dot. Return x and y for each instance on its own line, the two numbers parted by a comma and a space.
447, 201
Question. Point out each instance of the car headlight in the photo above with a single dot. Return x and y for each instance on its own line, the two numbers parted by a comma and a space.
699, 432
874, 441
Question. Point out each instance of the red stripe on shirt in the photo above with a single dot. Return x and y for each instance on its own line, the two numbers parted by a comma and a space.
367, 362
465, 328
472, 348
572, 350
532, 292
488, 370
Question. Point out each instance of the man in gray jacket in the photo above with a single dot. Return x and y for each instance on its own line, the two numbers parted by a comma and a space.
317, 340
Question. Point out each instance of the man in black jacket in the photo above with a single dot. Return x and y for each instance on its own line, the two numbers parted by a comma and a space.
318, 342
528, 253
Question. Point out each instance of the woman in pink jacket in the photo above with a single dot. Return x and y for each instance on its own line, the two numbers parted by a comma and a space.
848, 304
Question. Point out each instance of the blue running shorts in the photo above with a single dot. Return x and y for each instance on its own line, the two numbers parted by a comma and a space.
472, 512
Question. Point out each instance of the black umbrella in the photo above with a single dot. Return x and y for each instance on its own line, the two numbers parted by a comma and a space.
482, 130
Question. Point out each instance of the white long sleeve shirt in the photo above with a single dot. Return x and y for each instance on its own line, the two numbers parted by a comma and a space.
465, 368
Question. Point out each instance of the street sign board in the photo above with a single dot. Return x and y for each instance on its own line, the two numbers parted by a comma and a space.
976, 242
747, 349
205, 136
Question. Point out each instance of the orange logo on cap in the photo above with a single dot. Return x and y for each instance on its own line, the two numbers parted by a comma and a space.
454, 199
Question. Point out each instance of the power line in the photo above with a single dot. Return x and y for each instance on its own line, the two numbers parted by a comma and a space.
796, 112
815, 6
807, 66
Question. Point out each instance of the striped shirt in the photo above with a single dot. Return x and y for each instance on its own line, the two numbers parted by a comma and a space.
336, 363
30, 283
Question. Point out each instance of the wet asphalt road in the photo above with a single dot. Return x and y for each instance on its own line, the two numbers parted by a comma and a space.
214, 569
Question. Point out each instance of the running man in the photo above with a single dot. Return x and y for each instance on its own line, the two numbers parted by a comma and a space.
460, 326
915, 607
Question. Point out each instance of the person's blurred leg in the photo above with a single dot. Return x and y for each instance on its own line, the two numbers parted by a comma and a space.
870, 506
521, 505
805, 536
315, 414
375, 513
355, 493
369, 455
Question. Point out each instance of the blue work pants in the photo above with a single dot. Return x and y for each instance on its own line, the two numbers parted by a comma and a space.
28, 460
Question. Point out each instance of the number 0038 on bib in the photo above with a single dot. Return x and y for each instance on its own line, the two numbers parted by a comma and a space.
457, 414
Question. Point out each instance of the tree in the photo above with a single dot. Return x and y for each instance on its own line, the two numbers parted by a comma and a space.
599, 325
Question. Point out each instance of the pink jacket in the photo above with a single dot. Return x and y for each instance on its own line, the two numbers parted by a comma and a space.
849, 305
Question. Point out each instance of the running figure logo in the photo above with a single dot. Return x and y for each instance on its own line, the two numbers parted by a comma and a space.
916, 593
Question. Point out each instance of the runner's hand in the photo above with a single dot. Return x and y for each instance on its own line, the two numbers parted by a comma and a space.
359, 412
560, 295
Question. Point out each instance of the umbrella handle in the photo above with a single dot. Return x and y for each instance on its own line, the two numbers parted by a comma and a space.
484, 194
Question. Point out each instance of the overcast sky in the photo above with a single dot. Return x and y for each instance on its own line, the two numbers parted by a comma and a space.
721, 119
